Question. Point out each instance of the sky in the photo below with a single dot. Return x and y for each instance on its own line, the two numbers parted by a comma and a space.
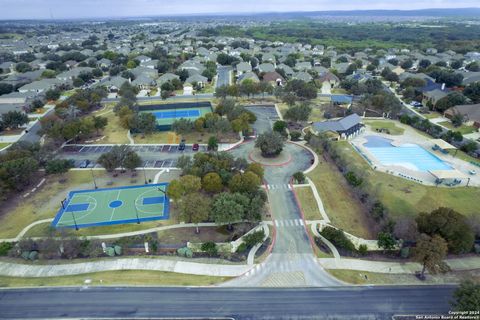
66, 9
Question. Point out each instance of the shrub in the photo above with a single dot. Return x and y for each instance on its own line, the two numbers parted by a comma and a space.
338, 238
362, 249
118, 250
352, 179
110, 251
5, 247
242, 248
295, 135
405, 252
254, 238
185, 252
210, 248
33, 255
299, 177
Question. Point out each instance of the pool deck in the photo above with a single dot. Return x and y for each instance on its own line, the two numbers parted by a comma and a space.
411, 136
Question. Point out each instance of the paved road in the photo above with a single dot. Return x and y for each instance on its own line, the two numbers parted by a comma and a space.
300, 303
223, 76
292, 262
32, 134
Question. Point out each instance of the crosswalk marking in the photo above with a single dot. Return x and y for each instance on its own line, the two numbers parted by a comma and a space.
279, 186
289, 223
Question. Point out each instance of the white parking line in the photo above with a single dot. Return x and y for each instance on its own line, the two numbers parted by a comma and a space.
296, 223
289, 187
301, 222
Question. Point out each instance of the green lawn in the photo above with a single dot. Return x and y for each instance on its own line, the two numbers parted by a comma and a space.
342, 206
113, 132
309, 205
110, 278
4, 144
463, 129
402, 197
358, 277
389, 125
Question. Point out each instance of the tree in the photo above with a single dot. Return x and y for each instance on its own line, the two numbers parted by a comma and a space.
212, 182
194, 208
407, 64
299, 177
5, 88
108, 161
58, 166
132, 161
450, 225
453, 99
424, 63
247, 182
472, 91
14, 119
22, 67
99, 123
145, 123
210, 248
175, 190
280, 126
52, 94
467, 297
473, 66
190, 184
257, 169
430, 252
298, 113
212, 143
270, 143
17, 173
386, 241
406, 229
227, 208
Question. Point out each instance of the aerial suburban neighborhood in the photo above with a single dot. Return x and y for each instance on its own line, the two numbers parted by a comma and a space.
294, 165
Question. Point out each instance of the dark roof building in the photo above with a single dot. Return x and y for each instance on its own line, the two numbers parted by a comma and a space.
345, 127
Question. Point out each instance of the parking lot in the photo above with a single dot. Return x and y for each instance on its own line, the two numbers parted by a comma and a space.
157, 156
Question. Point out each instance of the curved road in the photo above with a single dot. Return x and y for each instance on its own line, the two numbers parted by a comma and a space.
292, 262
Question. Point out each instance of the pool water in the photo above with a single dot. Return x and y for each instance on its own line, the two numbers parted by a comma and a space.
410, 156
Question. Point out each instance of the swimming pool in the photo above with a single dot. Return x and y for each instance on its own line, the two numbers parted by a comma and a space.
410, 156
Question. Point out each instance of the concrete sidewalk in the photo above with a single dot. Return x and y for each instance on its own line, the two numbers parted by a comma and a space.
460, 264
215, 270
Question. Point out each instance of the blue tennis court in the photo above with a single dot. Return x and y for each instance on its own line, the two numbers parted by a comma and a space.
110, 206
176, 114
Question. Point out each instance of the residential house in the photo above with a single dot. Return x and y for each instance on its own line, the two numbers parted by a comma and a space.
266, 67
305, 76
40, 85
138, 71
143, 59
166, 77
112, 84
274, 78
248, 75
144, 82
469, 112
70, 74
21, 98
243, 67
198, 80
303, 66
329, 79
288, 71
193, 67
432, 97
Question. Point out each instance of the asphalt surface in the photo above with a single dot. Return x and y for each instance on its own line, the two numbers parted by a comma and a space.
255, 303
292, 262
32, 134
223, 76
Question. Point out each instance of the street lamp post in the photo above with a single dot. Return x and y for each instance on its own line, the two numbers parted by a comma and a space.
144, 173
93, 177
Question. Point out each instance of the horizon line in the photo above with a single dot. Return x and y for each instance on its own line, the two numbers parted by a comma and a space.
206, 14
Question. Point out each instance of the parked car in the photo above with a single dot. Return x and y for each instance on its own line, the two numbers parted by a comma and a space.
84, 164
181, 146
195, 147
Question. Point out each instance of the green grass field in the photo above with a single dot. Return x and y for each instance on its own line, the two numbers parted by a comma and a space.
342, 206
463, 129
402, 197
113, 206
110, 278
389, 125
